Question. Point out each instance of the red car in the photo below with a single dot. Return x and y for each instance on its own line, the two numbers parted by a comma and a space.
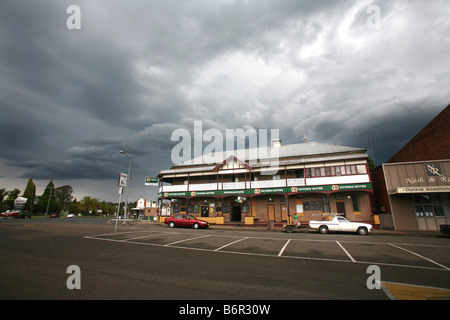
10, 214
186, 220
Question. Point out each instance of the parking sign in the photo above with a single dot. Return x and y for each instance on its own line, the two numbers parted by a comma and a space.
123, 180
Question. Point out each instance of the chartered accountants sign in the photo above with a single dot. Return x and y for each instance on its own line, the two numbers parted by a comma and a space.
420, 189
260, 191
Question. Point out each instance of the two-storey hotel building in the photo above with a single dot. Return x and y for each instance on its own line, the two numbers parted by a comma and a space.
312, 180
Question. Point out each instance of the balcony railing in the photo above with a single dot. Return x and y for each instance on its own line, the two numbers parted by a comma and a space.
234, 185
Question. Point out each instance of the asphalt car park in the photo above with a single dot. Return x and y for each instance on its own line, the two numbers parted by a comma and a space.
296, 246
144, 261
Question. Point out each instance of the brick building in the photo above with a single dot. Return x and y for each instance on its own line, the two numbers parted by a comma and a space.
145, 209
314, 180
412, 189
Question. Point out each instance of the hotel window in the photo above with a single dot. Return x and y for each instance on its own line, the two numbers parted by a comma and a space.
351, 169
325, 203
361, 169
312, 205
355, 203
335, 171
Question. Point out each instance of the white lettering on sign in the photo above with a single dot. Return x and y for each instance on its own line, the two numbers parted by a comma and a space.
413, 180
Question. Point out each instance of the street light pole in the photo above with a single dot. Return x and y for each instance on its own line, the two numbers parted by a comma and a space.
48, 202
128, 186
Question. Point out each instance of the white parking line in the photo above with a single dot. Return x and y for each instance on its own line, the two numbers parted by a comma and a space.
284, 248
440, 265
169, 244
229, 244
280, 254
346, 252
152, 235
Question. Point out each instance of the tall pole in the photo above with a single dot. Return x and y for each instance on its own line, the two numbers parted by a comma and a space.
128, 186
48, 202
118, 208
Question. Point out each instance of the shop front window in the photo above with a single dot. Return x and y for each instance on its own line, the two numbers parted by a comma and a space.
429, 205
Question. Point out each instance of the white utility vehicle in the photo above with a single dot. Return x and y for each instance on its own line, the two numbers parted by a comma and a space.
340, 224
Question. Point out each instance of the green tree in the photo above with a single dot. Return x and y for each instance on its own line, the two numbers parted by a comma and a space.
90, 204
12, 195
64, 195
3, 194
53, 205
30, 194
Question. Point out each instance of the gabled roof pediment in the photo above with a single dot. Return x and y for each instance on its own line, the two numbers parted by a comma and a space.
232, 163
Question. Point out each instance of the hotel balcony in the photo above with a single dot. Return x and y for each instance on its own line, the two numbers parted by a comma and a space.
280, 183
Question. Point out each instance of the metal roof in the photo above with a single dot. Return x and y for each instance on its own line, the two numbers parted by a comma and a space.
286, 151
260, 157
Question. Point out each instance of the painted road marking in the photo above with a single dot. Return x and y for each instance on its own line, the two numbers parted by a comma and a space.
112, 237
284, 247
179, 241
403, 291
393, 245
348, 254
229, 244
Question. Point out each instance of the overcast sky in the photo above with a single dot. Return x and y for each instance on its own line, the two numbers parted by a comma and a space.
365, 74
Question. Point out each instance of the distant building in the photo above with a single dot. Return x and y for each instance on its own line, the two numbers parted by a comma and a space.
412, 189
313, 180
145, 209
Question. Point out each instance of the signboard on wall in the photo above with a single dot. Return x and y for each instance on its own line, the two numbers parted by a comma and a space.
258, 191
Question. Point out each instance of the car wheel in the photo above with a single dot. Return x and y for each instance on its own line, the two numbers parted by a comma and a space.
289, 229
171, 224
362, 231
195, 226
323, 229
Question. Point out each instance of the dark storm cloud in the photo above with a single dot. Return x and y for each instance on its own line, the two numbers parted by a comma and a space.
138, 70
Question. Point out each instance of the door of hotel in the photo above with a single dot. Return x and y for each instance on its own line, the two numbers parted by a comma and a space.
283, 212
340, 206
205, 211
271, 212
235, 214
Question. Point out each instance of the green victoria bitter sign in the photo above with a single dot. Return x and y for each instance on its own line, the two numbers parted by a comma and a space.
151, 181
239, 192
